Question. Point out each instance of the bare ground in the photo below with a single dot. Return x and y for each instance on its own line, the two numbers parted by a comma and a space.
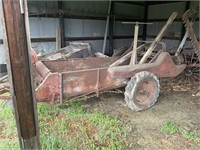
174, 105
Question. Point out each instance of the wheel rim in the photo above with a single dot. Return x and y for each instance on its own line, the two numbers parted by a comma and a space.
190, 76
145, 92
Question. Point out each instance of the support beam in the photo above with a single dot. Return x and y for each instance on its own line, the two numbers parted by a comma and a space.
131, 3
15, 40
106, 29
162, 2
111, 18
61, 24
187, 6
144, 34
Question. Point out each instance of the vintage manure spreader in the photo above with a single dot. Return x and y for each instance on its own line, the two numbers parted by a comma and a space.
57, 79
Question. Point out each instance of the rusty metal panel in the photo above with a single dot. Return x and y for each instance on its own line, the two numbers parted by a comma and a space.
162, 67
49, 89
41, 69
76, 83
78, 64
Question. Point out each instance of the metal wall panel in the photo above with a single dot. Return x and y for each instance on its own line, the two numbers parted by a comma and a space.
44, 47
125, 29
42, 6
84, 28
86, 6
154, 29
165, 10
43, 27
129, 10
119, 43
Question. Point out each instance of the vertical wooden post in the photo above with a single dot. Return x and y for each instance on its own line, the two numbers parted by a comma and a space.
133, 60
58, 39
15, 38
61, 24
106, 30
111, 29
145, 19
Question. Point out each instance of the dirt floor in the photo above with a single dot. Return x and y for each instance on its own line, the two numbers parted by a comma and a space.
174, 104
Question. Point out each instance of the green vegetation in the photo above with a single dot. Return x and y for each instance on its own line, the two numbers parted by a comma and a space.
8, 130
172, 128
68, 127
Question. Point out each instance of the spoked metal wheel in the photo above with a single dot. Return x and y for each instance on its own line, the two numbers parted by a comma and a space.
142, 91
191, 75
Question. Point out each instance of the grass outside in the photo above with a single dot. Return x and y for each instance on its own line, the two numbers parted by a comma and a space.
68, 127
173, 128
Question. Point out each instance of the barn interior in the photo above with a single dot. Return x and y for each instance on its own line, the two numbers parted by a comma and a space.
137, 61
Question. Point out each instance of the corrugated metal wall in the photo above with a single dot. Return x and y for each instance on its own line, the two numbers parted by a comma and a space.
45, 27
163, 11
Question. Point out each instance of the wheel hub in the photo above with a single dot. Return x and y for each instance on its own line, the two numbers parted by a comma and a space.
145, 91
188, 72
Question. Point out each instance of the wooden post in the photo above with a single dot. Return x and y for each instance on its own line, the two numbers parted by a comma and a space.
111, 29
61, 25
133, 60
145, 19
106, 30
158, 37
15, 40
58, 39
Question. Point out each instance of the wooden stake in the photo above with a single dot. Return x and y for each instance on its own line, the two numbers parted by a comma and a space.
134, 53
15, 38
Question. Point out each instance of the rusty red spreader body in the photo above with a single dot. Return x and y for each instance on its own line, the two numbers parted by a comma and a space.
57, 79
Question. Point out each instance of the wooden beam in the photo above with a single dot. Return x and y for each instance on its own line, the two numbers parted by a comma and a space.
146, 8
158, 38
61, 24
15, 40
162, 2
111, 24
38, 40
130, 3
83, 16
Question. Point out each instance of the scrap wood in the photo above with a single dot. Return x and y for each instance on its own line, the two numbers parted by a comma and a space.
100, 55
4, 89
120, 51
3, 78
125, 57
74, 50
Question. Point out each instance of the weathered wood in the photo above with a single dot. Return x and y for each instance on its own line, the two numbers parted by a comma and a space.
144, 32
9, 70
58, 38
158, 37
106, 29
3, 78
23, 98
134, 53
111, 25
125, 57
61, 25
